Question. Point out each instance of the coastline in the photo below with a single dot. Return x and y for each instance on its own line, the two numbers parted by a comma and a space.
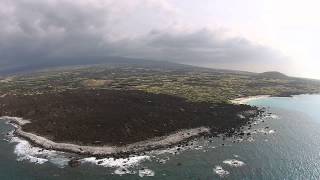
105, 150
252, 153
126, 116
180, 136
244, 100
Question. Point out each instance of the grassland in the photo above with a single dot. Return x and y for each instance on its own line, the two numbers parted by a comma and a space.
193, 83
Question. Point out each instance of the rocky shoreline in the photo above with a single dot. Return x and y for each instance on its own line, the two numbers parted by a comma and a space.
106, 151
119, 123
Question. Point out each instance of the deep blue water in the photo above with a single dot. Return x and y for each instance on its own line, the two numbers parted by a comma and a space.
286, 146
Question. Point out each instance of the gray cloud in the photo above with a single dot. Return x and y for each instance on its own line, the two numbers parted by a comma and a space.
44, 31
207, 48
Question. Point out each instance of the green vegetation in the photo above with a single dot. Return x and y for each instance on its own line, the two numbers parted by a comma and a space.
192, 83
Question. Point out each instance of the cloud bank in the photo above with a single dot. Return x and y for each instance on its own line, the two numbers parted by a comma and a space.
45, 31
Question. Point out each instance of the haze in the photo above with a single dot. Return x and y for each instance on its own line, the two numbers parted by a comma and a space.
245, 35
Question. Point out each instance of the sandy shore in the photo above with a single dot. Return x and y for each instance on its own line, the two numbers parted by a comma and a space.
245, 100
155, 143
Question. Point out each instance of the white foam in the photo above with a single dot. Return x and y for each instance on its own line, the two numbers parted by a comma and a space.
26, 152
273, 116
122, 171
198, 147
250, 139
241, 116
4, 139
60, 161
270, 116
271, 131
265, 131
17, 120
220, 171
146, 172
121, 162
233, 162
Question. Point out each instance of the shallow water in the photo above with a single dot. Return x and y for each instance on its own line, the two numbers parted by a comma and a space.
288, 149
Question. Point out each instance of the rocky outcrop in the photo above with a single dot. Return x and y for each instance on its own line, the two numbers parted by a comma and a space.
155, 143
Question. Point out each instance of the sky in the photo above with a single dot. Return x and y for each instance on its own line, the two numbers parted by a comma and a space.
249, 35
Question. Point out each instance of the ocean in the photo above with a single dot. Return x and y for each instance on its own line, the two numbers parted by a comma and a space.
283, 145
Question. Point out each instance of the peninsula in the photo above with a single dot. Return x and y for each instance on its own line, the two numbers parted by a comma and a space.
130, 108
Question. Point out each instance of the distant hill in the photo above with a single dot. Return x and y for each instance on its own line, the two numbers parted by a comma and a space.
272, 75
38, 65
70, 62
158, 77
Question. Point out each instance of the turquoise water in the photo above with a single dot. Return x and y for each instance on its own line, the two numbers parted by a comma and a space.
285, 146
308, 104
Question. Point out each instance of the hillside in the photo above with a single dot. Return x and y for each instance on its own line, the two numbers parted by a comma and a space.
272, 75
192, 83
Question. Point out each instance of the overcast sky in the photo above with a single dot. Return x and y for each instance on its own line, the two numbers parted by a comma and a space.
252, 35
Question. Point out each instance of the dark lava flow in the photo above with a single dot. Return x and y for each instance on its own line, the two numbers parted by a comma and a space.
118, 117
